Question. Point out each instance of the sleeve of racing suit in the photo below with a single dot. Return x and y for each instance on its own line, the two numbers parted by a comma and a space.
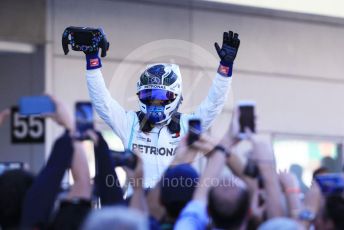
107, 108
214, 102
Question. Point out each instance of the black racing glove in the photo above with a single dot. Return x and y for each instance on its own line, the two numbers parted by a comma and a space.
227, 52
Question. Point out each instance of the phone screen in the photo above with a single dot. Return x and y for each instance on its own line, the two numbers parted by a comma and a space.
195, 126
36, 105
84, 119
246, 118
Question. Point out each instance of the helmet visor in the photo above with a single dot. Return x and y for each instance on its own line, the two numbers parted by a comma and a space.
147, 96
156, 94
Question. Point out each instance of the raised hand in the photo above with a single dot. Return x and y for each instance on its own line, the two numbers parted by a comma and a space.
229, 48
3, 115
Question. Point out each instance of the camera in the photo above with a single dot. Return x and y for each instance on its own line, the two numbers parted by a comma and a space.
84, 39
126, 158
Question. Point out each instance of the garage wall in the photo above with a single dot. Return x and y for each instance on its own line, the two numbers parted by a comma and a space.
23, 21
21, 75
290, 64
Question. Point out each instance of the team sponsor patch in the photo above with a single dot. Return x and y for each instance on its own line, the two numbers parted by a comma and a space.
146, 149
141, 138
94, 62
174, 87
223, 70
176, 135
174, 142
154, 80
151, 87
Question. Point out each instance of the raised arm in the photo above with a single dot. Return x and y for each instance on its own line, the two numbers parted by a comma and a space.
109, 193
194, 215
81, 174
3, 115
37, 207
108, 109
218, 92
262, 154
212, 105
291, 189
138, 200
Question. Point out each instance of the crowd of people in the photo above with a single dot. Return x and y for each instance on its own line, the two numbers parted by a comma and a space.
183, 199
165, 191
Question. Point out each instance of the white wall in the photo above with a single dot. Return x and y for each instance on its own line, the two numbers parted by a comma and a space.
291, 65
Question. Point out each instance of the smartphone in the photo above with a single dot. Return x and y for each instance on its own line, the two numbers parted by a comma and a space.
246, 118
36, 105
83, 119
251, 169
126, 158
195, 130
331, 183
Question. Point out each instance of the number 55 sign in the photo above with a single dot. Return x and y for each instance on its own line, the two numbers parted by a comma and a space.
26, 129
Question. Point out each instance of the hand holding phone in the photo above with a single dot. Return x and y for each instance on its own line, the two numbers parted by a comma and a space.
83, 119
126, 158
246, 118
46, 105
36, 105
195, 130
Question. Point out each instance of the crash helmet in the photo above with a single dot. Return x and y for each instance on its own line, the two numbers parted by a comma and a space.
159, 90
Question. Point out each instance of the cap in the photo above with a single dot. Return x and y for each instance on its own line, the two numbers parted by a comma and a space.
178, 183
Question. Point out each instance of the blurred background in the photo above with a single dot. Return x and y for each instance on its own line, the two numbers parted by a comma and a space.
290, 63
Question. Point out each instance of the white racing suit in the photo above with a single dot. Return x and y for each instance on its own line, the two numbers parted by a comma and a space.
157, 147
